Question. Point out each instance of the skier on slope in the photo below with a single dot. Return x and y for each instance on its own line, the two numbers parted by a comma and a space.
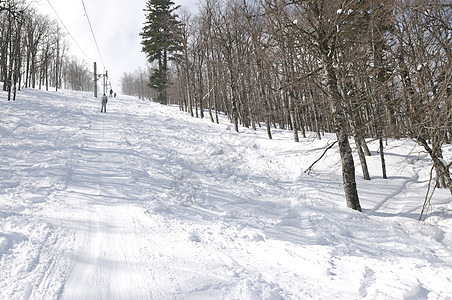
104, 104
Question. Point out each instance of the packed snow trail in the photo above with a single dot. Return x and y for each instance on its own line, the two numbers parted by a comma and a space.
145, 202
105, 264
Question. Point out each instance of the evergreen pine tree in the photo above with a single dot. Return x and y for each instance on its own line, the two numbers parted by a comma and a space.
160, 39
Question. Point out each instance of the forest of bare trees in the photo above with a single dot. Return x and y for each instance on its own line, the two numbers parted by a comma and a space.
136, 84
361, 69
34, 53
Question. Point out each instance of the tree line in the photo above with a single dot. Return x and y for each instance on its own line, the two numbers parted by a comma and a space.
361, 69
136, 84
34, 53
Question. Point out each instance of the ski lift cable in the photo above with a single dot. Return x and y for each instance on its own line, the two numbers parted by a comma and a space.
67, 30
92, 32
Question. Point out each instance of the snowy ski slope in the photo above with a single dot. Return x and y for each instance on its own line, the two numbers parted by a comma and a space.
145, 202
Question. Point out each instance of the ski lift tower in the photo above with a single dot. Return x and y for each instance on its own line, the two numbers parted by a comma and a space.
96, 77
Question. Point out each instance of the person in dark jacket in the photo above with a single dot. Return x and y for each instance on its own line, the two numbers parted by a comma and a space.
104, 104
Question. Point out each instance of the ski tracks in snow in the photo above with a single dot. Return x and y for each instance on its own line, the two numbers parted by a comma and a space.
106, 262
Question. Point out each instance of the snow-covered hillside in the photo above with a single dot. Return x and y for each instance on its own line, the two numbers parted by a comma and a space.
145, 202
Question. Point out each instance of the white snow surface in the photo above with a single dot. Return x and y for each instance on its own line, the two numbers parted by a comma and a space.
146, 202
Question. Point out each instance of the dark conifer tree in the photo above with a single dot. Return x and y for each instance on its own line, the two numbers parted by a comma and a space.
160, 40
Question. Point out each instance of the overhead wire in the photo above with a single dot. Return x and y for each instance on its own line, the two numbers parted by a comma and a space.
67, 30
92, 32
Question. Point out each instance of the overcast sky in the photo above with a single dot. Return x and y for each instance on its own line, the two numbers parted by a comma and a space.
116, 25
